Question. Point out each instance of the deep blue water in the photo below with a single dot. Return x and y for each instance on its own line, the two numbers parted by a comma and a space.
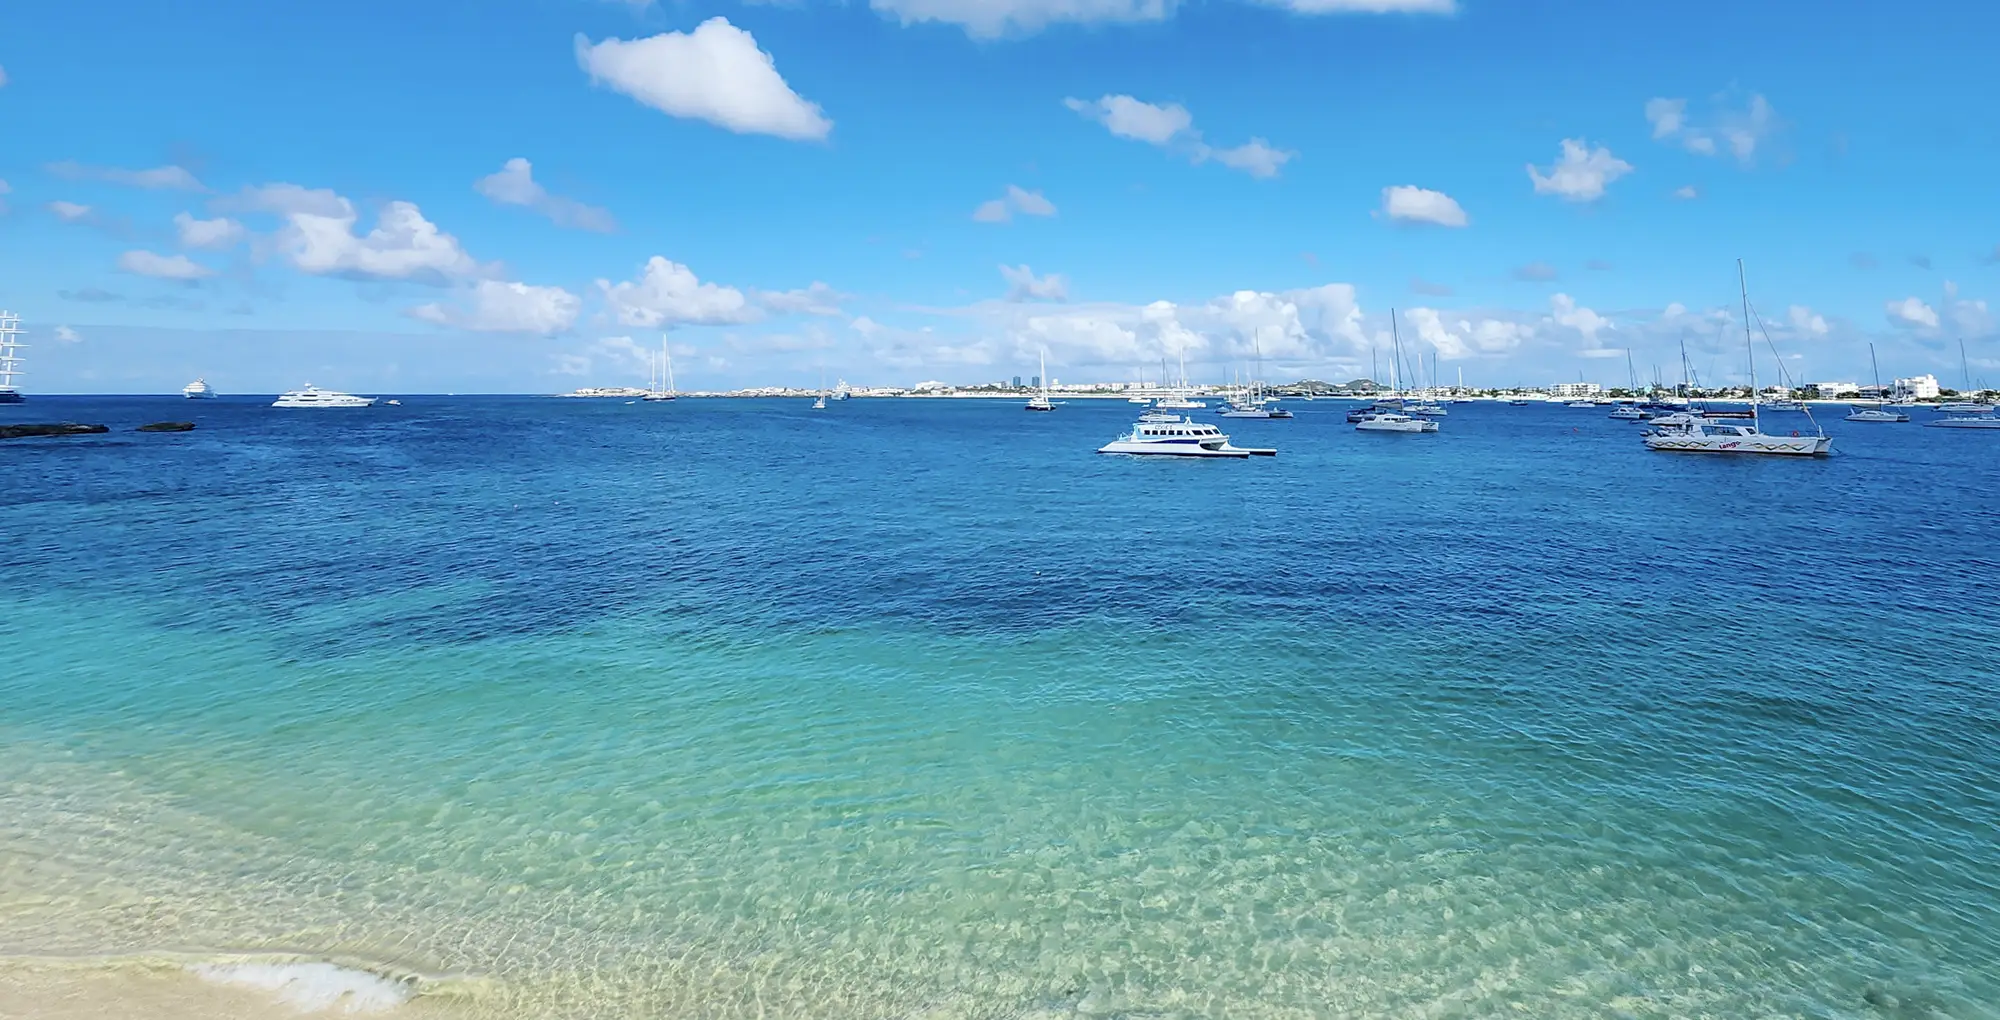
921, 705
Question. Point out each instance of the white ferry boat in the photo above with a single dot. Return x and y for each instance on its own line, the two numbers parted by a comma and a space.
1391, 421
313, 396
198, 390
1183, 438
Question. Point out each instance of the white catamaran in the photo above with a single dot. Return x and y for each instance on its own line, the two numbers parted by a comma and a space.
1697, 432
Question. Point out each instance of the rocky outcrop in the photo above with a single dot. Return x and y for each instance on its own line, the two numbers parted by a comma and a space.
168, 426
59, 429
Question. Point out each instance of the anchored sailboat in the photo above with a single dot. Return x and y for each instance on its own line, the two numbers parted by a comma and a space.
661, 386
1040, 401
1700, 432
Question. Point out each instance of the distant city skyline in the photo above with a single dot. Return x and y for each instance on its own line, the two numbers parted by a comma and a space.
892, 193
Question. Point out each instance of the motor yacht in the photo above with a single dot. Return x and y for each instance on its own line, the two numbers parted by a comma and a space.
1581, 403
313, 396
198, 390
1425, 409
1178, 403
1183, 438
1630, 412
1783, 404
1391, 421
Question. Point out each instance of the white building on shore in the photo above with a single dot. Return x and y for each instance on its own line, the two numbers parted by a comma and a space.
1575, 390
1918, 387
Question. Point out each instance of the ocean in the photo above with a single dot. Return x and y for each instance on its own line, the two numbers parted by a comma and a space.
526, 707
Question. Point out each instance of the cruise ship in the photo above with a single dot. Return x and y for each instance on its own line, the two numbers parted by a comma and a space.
10, 357
313, 396
198, 390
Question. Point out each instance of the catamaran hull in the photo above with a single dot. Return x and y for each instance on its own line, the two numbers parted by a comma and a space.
1964, 423
1794, 446
1173, 450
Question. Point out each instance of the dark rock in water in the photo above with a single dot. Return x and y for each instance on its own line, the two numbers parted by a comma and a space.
61, 429
168, 426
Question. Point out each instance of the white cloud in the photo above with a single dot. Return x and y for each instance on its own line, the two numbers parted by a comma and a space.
715, 73
1255, 157
1581, 174
1127, 117
496, 307
1743, 130
1023, 285
1566, 312
164, 267
668, 293
1466, 337
216, 233
1406, 203
987, 19
1674, 310
1966, 315
159, 178
515, 184
318, 238
1911, 312
286, 199
69, 212
1171, 125
66, 335
1805, 320
1687, 193
1666, 116
1015, 199
816, 299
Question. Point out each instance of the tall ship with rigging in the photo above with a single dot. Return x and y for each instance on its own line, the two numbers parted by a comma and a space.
10, 358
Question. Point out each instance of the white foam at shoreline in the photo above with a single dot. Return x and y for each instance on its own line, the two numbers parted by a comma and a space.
312, 987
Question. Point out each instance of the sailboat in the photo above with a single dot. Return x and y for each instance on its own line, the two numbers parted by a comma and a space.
1180, 398
1965, 406
1628, 410
1040, 401
661, 386
1426, 404
1382, 420
1878, 413
1250, 401
1697, 432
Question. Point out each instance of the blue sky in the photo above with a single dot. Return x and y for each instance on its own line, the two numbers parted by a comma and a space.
942, 189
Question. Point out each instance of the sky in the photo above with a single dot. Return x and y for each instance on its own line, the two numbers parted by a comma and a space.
529, 196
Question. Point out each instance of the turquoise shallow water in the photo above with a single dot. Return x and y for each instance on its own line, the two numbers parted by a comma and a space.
916, 708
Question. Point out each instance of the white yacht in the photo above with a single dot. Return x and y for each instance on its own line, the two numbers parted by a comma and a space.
661, 385
1040, 401
840, 390
1880, 412
198, 390
1630, 412
1876, 414
1183, 438
1425, 408
1390, 421
1974, 421
1972, 407
1784, 404
1179, 402
1694, 432
1586, 404
1964, 407
313, 396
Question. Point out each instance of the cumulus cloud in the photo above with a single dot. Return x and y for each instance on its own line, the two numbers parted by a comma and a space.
1014, 200
816, 299
69, 212
66, 335
1805, 320
1466, 337
317, 237
668, 294
491, 306
220, 232
987, 19
1580, 174
1171, 126
1911, 312
1024, 285
1566, 312
1536, 272
159, 178
1967, 315
514, 184
1687, 193
163, 267
715, 73
1741, 130
1406, 203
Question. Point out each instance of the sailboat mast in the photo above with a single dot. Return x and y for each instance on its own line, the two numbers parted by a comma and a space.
1743, 287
